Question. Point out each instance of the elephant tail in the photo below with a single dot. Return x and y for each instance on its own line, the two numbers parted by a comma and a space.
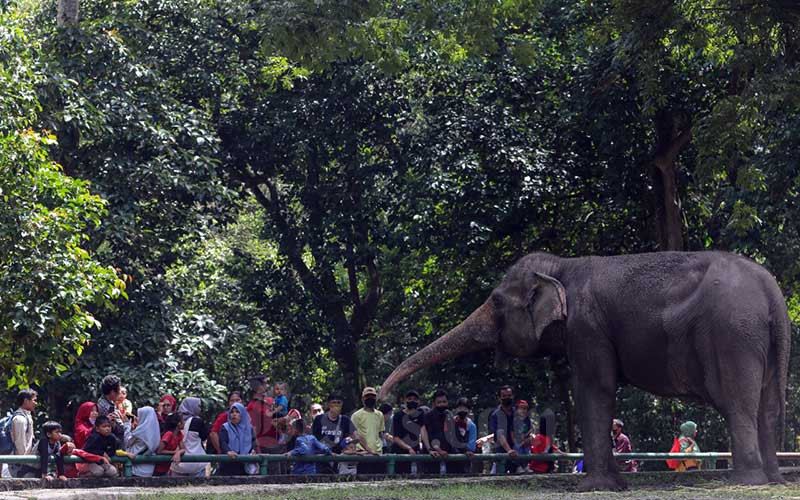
781, 342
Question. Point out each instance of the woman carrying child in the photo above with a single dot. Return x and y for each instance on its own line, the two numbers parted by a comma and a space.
143, 440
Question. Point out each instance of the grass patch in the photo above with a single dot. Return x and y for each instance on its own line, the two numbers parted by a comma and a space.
710, 491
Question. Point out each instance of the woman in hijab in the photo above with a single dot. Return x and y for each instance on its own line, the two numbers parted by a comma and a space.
688, 445
84, 423
195, 432
143, 440
165, 406
237, 437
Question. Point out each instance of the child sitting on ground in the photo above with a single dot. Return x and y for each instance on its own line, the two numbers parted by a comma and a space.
104, 443
50, 446
349, 448
304, 445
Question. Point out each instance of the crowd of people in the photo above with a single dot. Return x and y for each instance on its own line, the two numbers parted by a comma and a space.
268, 425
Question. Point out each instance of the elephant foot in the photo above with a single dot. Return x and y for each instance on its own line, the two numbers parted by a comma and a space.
605, 482
750, 477
775, 477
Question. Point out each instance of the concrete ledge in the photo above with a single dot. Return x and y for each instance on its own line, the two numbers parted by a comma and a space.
78, 488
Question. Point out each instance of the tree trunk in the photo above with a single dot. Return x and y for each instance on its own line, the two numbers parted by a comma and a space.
67, 15
673, 133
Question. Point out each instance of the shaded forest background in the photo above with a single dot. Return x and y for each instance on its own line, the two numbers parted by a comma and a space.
198, 191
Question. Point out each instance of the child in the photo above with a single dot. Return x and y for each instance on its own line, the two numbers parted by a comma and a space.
349, 448
305, 444
124, 406
103, 443
50, 446
171, 443
281, 391
522, 421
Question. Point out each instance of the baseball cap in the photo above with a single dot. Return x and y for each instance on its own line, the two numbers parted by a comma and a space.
369, 391
524, 403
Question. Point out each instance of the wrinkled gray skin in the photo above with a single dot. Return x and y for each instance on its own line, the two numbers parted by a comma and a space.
705, 326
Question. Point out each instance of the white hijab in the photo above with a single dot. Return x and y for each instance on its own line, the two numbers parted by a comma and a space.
148, 430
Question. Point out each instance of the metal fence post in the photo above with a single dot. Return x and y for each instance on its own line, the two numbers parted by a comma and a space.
263, 466
127, 467
390, 465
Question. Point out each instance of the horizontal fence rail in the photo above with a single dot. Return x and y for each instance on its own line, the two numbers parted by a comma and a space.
389, 459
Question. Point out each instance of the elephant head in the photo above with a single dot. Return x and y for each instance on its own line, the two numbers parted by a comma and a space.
512, 320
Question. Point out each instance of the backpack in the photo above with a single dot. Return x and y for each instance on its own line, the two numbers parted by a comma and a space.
6, 444
676, 448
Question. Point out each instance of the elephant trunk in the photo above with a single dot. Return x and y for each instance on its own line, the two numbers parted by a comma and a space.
475, 333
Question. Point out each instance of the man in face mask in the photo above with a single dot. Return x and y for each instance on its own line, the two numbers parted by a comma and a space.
501, 424
332, 428
438, 432
369, 424
465, 434
406, 426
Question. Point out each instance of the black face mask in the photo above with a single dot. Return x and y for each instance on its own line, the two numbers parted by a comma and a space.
507, 401
441, 411
412, 405
370, 402
462, 414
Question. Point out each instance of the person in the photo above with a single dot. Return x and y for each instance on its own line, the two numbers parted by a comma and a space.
22, 432
281, 393
501, 425
194, 433
349, 448
50, 445
213, 434
369, 424
260, 409
104, 443
107, 405
386, 436
166, 406
688, 445
124, 405
171, 443
522, 430
315, 409
406, 425
84, 422
331, 429
466, 435
622, 445
437, 433
237, 437
543, 443
305, 445
143, 440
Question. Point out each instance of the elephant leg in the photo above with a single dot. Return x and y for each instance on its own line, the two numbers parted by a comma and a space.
769, 427
738, 399
595, 382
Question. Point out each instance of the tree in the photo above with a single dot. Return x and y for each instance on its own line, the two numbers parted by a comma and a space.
51, 287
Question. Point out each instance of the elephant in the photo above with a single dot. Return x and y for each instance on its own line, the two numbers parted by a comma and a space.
708, 326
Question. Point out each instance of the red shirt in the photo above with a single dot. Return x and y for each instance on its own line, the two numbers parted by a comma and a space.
541, 444
219, 422
260, 412
171, 441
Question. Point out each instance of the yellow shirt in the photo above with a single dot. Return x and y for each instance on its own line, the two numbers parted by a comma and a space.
370, 425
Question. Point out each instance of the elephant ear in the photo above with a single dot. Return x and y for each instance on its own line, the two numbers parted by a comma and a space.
547, 302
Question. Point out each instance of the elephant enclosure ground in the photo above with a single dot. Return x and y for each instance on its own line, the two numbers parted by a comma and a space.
649, 486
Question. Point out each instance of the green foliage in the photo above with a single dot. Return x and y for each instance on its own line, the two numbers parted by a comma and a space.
51, 287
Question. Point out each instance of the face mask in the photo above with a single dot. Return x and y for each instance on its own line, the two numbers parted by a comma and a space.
370, 402
412, 405
507, 401
441, 410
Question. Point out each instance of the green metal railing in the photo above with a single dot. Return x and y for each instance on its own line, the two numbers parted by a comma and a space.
391, 460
